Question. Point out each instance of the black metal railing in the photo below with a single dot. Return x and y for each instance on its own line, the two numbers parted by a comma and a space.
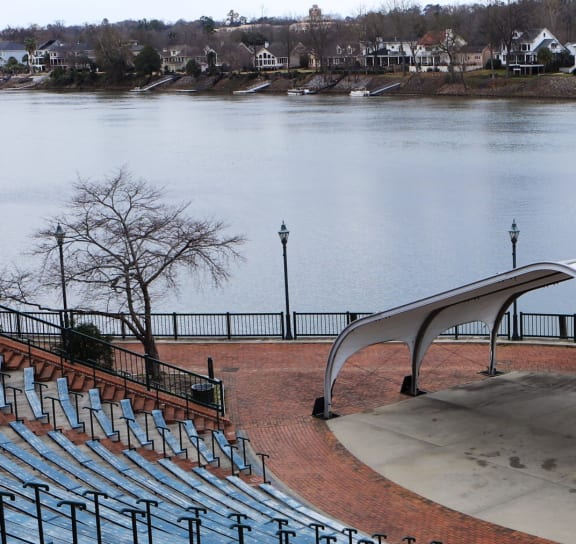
323, 324
132, 367
271, 325
173, 325
547, 326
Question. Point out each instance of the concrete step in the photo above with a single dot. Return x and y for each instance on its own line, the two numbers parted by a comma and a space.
14, 360
46, 372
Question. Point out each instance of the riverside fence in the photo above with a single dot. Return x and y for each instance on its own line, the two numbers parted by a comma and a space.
272, 325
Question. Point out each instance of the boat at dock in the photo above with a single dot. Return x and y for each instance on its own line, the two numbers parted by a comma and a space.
360, 92
298, 91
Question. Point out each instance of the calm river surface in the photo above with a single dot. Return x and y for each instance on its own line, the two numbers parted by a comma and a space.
388, 200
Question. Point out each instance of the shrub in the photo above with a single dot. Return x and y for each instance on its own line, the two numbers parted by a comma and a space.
192, 68
493, 63
86, 343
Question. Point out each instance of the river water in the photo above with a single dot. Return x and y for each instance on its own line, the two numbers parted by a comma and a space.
388, 200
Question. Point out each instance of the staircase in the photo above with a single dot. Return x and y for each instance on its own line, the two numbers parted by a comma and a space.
48, 367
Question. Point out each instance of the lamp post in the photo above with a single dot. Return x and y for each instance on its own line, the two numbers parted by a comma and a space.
283, 233
514, 234
59, 234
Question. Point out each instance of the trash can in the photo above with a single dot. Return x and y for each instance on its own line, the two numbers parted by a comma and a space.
203, 392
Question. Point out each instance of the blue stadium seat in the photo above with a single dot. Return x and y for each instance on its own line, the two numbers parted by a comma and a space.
32, 395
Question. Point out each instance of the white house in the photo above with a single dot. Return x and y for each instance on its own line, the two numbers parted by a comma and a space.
175, 58
264, 57
271, 57
526, 45
437, 50
12, 50
388, 54
49, 55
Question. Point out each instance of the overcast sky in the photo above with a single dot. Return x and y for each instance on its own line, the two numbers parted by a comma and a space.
72, 12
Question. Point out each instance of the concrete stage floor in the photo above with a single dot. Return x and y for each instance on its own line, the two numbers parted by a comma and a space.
502, 450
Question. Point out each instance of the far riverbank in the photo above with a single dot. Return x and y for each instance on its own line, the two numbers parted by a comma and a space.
474, 84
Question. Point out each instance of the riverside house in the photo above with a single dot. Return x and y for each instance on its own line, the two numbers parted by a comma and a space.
13, 50
526, 45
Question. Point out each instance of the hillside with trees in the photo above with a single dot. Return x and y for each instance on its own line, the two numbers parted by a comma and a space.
133, 51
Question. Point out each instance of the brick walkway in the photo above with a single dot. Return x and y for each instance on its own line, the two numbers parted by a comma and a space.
271, 389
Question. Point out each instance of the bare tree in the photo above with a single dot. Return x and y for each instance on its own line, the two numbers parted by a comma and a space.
408, 26
287, 40
14, 285
450, 45
372, 31
509, 19
319, 30
112, 53
124, 248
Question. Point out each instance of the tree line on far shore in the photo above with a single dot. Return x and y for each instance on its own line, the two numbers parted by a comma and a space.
478, 24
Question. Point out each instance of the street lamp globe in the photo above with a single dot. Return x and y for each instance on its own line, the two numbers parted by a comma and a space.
59, 234
514, 232
283, 233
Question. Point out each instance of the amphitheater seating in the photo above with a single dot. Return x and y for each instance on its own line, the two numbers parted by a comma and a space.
70, 467
131, 478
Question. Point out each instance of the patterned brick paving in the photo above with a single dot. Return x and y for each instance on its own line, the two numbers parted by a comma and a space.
271, 389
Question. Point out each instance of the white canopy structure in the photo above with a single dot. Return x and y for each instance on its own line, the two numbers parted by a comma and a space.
419, 323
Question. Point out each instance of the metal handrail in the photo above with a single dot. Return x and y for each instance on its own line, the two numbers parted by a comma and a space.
130, 366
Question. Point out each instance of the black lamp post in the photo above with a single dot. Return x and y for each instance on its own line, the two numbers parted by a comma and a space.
283, 233
59, 234
514, 234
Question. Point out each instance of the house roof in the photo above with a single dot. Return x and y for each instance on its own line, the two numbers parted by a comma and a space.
531, 34
544, 44
12, 46
433, 37
49, 45
277, 49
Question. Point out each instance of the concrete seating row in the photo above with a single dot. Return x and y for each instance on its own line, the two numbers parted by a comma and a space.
70, 411
164, 522
130, 477
16, 478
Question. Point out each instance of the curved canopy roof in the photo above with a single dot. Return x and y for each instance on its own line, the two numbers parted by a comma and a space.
419, 323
